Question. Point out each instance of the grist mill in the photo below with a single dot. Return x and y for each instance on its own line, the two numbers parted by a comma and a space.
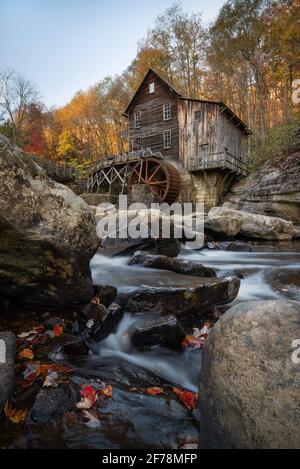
181, 149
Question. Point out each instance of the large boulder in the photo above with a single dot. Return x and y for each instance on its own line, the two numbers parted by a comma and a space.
273, 189
179, 266
47, 236
124, 232
7, 365
235, 222
183, 301
249, 387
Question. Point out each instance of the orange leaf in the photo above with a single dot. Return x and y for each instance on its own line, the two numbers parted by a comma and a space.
58, 330
191, 341
107, 391
26, 354
46, 368
155, 391
188, 398
14, 415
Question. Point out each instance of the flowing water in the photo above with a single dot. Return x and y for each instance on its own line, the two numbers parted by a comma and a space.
266, 276
136, 419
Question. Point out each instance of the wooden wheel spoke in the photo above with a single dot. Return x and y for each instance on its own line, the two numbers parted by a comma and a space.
157, 183
140, 178
161, 177
153, 174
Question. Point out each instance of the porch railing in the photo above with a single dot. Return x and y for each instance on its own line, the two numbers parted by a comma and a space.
222, 160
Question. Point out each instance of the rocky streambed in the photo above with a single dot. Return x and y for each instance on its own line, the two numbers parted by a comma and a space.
141, 355
145, 393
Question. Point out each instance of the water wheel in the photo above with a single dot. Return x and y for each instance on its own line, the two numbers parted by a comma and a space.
162, 178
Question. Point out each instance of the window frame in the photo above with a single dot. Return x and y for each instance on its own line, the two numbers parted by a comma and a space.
137, 119
167, 141
152, 87
167, 111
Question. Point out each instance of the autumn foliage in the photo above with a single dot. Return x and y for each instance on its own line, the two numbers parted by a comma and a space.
248, 58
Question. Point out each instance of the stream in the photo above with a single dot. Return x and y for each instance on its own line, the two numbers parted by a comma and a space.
148, 421
266, 276
138, 420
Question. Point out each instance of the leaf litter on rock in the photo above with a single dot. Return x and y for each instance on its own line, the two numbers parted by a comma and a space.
197, 339
89, 395
188, 398
36, 370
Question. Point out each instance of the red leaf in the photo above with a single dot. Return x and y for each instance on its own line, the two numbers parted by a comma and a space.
188, 398
39, 329
89, 395
58, 330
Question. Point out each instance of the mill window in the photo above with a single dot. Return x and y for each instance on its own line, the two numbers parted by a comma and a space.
137, 119
167, 139
152, 87
167, 111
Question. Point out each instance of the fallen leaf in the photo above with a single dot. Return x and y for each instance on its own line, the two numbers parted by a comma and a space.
39, 339
51, 380
188, 398
29, 380
155, 391
26, 354
35, 331
24, 335
107, 390
89, 396
58, 330
14, 415
192, 341
40, 329
45, 369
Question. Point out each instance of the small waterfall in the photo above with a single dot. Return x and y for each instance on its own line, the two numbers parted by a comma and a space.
174, 367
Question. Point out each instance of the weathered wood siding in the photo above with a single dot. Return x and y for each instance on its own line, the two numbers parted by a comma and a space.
231, 137
152, 123
196, 135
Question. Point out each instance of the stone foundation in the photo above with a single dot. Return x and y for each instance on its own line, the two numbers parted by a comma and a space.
208, 189
140, 193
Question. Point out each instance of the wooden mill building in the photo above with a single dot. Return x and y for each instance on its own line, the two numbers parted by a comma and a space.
196, 148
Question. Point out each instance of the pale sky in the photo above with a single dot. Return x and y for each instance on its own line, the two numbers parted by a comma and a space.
67, 45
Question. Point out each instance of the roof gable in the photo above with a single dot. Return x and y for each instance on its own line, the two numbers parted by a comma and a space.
156, 76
